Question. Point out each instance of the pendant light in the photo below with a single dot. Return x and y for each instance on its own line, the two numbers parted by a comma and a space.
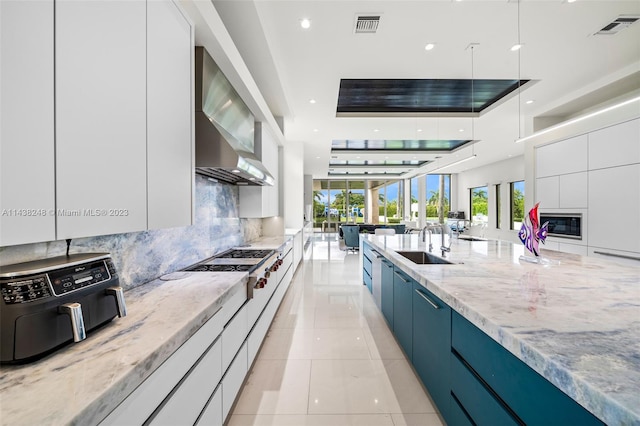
472, 46
519, 44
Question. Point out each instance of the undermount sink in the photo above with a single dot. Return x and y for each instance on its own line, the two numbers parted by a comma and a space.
424, 258
472, 239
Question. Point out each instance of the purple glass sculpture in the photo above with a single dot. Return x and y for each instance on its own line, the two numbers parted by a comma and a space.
531, 233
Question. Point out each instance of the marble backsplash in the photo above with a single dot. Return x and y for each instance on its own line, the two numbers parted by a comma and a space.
143, 256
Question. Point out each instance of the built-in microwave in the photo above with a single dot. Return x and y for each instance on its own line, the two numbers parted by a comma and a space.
563, 225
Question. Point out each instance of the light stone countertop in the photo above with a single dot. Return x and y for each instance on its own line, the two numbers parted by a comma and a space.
83, 382
270, 242
576, 322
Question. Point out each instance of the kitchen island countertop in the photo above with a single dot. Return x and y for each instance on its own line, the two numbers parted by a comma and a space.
575, 321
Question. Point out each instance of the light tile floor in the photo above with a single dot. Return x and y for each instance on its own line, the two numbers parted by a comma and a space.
329, 358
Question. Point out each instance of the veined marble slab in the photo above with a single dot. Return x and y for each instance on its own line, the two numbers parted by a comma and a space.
270, 242
82, 383
577, 323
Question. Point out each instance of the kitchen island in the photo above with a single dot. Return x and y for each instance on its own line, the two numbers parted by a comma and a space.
83, 383
576, 321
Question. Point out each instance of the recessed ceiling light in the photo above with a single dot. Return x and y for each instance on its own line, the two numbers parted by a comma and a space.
386, 158
376, 130
429, 46
316, 130
358, 157
235, 171
571, 1
312, 101
530, 101
318, 158
461, 130
516, 47
305, 23
252, 178
419, 130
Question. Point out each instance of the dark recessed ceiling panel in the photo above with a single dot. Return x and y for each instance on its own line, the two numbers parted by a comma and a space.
421, 95
396, 145
333, 172
377, 163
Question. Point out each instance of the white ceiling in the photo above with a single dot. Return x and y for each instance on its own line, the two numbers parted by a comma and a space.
573, 69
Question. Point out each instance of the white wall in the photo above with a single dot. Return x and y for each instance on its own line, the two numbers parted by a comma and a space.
293, 185
503, 173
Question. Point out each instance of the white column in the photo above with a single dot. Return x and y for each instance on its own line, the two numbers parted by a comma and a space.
422, 200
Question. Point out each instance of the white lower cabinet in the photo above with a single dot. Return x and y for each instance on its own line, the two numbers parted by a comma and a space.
233, 336
298, 248
146, 398
188, 399
233, 379
212, 413
200, 382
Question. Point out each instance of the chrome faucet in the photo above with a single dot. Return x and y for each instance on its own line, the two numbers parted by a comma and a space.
428, 228
444, 228
423, 232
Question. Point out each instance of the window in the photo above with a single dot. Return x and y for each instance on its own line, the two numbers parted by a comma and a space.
479, 204
498, 215
517, 204
391, 203
355, 201
338, 201
438, 195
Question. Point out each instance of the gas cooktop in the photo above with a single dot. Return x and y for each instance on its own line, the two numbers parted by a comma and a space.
220, 268
245, 254
233, 260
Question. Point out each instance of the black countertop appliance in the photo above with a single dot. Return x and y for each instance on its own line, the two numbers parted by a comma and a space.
51, 302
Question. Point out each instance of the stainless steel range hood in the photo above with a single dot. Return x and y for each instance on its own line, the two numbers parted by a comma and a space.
224, 129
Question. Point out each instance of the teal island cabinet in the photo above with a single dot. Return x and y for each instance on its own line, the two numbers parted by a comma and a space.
432, 345
386, 304
403, 311
472, 377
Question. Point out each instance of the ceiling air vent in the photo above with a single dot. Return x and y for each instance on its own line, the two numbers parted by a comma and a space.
618, 24
367, 24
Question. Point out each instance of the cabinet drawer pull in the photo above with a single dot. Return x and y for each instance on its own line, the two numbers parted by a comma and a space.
431, 302
376, 254
604, 253
401, 277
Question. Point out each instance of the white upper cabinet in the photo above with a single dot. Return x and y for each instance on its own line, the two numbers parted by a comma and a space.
573, 191
170, 173
101, 173
96, 119
27, 191
617, 145
548, 192
567, 156
263, 201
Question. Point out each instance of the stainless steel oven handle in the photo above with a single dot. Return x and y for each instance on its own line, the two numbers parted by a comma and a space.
74, 310
118, 293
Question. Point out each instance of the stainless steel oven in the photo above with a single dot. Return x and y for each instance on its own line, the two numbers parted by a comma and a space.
563, 225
